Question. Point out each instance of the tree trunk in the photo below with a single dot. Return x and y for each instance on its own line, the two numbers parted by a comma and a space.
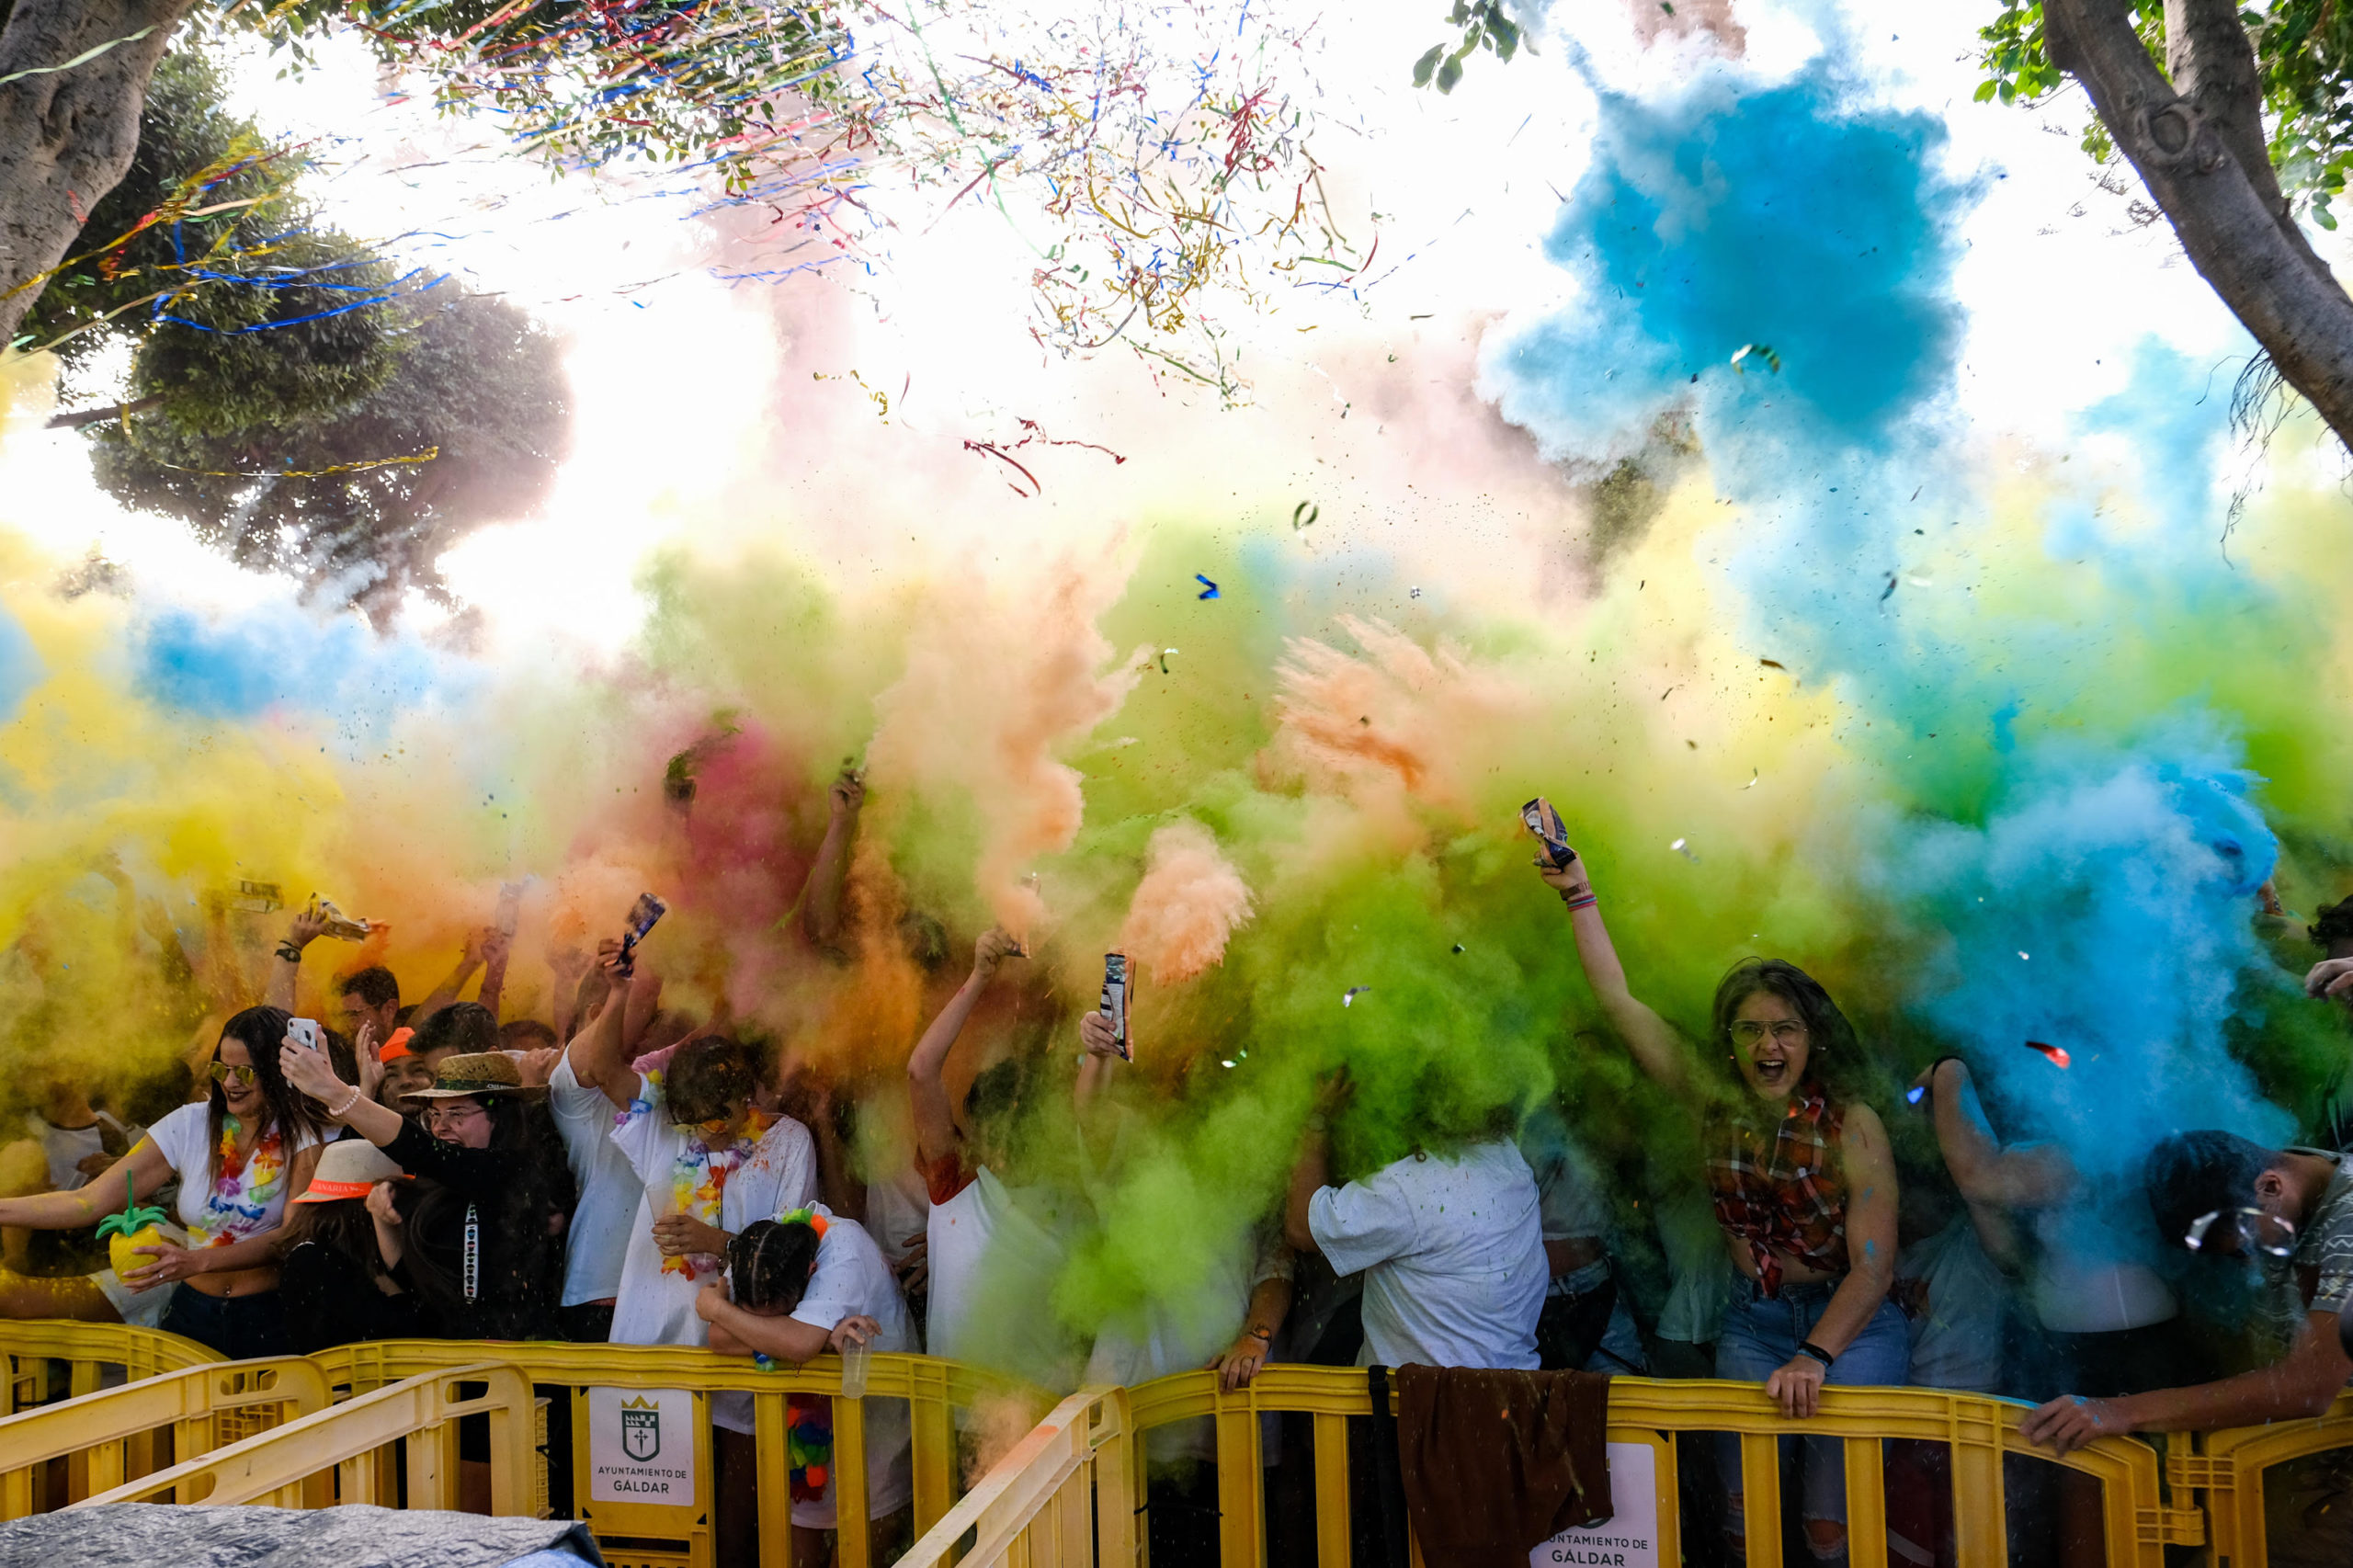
2200, 153
66, 137
81, 416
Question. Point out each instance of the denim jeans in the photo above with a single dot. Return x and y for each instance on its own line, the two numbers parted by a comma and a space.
240, 1327
1760, 1335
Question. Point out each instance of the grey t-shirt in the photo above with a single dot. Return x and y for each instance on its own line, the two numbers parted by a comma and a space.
2325, 1241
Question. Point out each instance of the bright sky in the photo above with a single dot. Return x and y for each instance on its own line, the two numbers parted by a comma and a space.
701, 416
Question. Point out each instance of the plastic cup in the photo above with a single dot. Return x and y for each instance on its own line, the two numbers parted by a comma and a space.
853, 1362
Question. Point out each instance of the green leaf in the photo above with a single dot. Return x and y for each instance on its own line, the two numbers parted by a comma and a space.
1984, 91
1428, 63
1449, 73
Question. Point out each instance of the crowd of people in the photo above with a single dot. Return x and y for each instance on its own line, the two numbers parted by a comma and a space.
619, 1171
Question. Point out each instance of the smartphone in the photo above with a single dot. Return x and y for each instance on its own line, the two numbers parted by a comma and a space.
1545, 823
1117, 989
307, 1032
641, 916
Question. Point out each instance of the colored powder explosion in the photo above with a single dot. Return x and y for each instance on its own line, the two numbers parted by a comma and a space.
1998, 744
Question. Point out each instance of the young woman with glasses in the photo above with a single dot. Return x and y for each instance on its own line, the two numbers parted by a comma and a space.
482, 1239
1802, 1184
239, 1155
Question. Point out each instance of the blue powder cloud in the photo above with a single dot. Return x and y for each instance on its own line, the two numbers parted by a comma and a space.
20, 666
282, 658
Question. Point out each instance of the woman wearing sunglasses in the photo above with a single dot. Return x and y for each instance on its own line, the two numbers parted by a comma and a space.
239, 1155
1802, 1184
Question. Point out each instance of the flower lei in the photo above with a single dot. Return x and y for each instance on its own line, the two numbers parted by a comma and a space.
698, 1185
267, 1168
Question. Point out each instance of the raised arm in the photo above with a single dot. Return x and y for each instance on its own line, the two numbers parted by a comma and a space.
934, 1117
285, 965
599, 1053
497, 947
1103, 1059
2023, 1175
1311, 1175
1652, 1039
470, 959
821, 899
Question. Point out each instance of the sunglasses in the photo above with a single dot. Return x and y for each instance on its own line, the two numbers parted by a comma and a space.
2266, 1233
224, 1074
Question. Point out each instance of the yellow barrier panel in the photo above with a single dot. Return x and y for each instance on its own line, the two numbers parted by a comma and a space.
664, 1536
86, 1348
1978, 1429
112, 1434
281, 1466
1064, 1495
2226, 1469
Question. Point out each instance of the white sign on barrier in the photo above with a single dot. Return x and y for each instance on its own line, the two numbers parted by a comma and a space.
641, 1446
1630, 1540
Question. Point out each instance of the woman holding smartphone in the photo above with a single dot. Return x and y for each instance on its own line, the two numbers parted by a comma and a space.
239, 1155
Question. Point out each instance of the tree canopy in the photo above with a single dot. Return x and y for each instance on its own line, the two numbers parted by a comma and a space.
467, 430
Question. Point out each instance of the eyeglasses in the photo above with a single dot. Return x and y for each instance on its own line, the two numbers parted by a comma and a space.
2265, 1233
222, 1072
436, 1115
1787, 1031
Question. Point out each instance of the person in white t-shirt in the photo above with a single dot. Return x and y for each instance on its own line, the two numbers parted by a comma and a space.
596, 1243
238, 1156
992, 1252
709, 1163
807, 1283
1451, 1245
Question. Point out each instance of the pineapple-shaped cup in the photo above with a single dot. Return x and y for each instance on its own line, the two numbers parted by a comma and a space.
137, 1226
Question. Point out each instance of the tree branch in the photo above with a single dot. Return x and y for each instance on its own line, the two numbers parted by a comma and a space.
81, 416
2228, 214
67, 137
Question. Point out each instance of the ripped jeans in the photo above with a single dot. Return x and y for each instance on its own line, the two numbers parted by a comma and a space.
1760, 1335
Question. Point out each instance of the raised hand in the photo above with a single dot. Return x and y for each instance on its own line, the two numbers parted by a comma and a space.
368, 1052
995, 946
848, 792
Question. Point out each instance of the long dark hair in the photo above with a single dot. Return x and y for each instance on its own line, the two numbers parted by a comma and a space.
345, 1227
262, 1031
1830, 1039
519, 1222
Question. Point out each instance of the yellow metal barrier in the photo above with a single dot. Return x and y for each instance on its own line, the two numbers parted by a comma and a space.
662, 1535
2225, 1472
1065, 1494
1979, 1431
86, 1349
116, 1435
286, 1467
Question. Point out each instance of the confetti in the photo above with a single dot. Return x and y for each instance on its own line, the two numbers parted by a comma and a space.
1458, 946
1348, 997
1913, 1095
1682, 847
1164, 659
2058, 1056
1304, 514
1774, 665
1753, 776
1209, 589
1772, 362
1888, 592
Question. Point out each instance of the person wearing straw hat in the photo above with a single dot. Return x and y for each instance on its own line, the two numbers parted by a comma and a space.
479, 1244
338, 1281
